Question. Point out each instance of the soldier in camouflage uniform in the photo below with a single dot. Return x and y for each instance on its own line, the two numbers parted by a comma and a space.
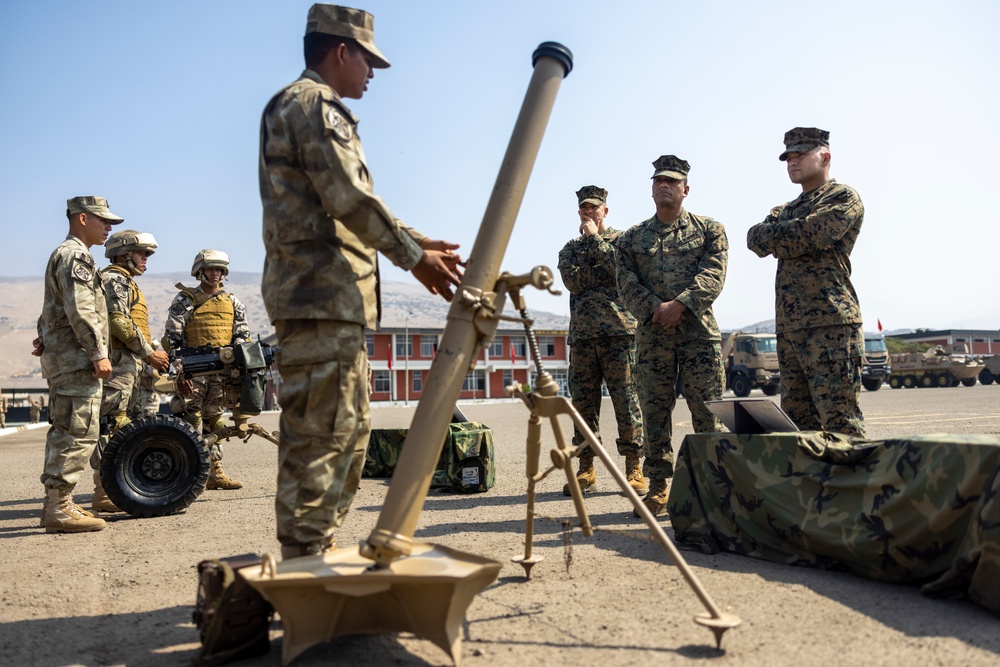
671, 269
3, 410
602, 338
145, 399
323, 226
73, 345
817, 316
207, 315
128, 322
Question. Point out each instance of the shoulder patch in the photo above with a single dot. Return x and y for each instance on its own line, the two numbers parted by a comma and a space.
83, 271
342, 128
121, 290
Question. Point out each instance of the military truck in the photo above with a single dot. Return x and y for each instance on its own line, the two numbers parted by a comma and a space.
991, 370
937, 367
751, 363
875, 368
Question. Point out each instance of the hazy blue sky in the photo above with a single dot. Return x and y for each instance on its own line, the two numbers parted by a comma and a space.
156, 106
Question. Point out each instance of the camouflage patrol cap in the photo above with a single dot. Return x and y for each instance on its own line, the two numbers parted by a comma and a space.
671, 166
591, 194
340, 21
804, 139
94, 205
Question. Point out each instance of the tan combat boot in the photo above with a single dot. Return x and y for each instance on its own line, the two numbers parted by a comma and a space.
656, 499
289, 551
45, 506
633, 473
62, 515
101, 502
218, 479
586, 477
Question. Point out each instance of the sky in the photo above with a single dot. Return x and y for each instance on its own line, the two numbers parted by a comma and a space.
156, 106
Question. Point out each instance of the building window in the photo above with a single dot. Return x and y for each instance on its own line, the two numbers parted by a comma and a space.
383, 382
508, 377
428, 346
547, 346
474, 381
496, 348
404, 346
561, 378
418, 382
370, 344
520, 347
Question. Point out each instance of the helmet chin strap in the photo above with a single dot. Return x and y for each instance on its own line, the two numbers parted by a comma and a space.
132, 267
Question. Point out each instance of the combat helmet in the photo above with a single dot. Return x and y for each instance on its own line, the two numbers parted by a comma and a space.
126, 242
207, 258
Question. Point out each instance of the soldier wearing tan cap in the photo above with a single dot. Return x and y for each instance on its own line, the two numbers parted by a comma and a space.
73, 345
323, 228
817, 315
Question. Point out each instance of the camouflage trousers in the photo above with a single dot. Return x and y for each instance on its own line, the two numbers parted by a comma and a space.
662, 358
117, 395
3, 419
612, 360
145, 402
821, 378
75, 411
208, 400
325, 426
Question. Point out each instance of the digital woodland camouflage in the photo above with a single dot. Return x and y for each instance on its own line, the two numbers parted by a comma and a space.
467, 463
920, 510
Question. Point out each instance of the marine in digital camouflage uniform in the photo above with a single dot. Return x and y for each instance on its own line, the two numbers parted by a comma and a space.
207, 315
601, 338
817, 316
671, 269
323, 226
73, 345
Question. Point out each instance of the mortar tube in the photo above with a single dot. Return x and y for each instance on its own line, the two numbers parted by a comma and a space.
393, 533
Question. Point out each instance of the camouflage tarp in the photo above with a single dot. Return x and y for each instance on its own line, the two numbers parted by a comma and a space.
924, 509
466, 464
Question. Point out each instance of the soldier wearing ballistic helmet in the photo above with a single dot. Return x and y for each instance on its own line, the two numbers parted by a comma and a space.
73, 345
602, 339
817, 315
128, 322
671, 269
206, 315
323, 226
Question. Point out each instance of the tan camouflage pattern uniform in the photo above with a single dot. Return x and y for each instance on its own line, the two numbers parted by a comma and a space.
911, 510
686, 261
601, 339
817, 316
146, 401
3, 411
128, 347
74, 329
218, 320
323, 226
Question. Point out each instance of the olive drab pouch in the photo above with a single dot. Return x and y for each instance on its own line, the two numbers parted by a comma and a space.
233, 619
468, 460
250, 358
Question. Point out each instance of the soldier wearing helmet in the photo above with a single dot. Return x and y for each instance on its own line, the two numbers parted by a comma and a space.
131, 342
206, 315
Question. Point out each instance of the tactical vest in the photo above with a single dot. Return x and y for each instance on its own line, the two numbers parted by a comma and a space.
138, 312
212, 320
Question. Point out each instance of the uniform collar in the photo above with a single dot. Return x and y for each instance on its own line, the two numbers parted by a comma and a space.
681, 221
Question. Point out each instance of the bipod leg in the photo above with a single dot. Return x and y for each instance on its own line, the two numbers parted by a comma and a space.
714, 619
534, 452
562, 457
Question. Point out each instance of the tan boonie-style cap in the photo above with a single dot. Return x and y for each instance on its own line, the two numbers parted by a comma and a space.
671, 166
591, 194
95, 206
803, 140
339, 21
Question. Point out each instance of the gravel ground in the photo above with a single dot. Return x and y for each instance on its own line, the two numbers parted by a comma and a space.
124, 596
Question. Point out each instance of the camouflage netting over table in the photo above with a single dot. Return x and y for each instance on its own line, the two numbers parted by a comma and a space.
924, 509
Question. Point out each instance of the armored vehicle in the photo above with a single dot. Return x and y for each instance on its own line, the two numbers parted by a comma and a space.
751, 363
876, 366
991, 370
936, 367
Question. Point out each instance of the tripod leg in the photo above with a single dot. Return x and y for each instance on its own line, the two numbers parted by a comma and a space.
534, 450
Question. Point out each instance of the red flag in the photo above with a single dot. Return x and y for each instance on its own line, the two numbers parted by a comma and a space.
390, 356
879, 325
513, 355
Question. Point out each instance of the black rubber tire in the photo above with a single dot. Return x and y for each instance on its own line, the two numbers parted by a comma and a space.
895, 381
910, 381
155, 466
769, 389
969, 382
740, 384
872, 384
986, 377
928, 380
944, 379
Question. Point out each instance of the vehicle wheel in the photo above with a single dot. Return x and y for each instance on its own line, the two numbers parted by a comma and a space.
986, 376
928, 380
909, 381
740, 384
155, 466
944, 380
873, 384
769, 389
895, 381
969, 382
955, 383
